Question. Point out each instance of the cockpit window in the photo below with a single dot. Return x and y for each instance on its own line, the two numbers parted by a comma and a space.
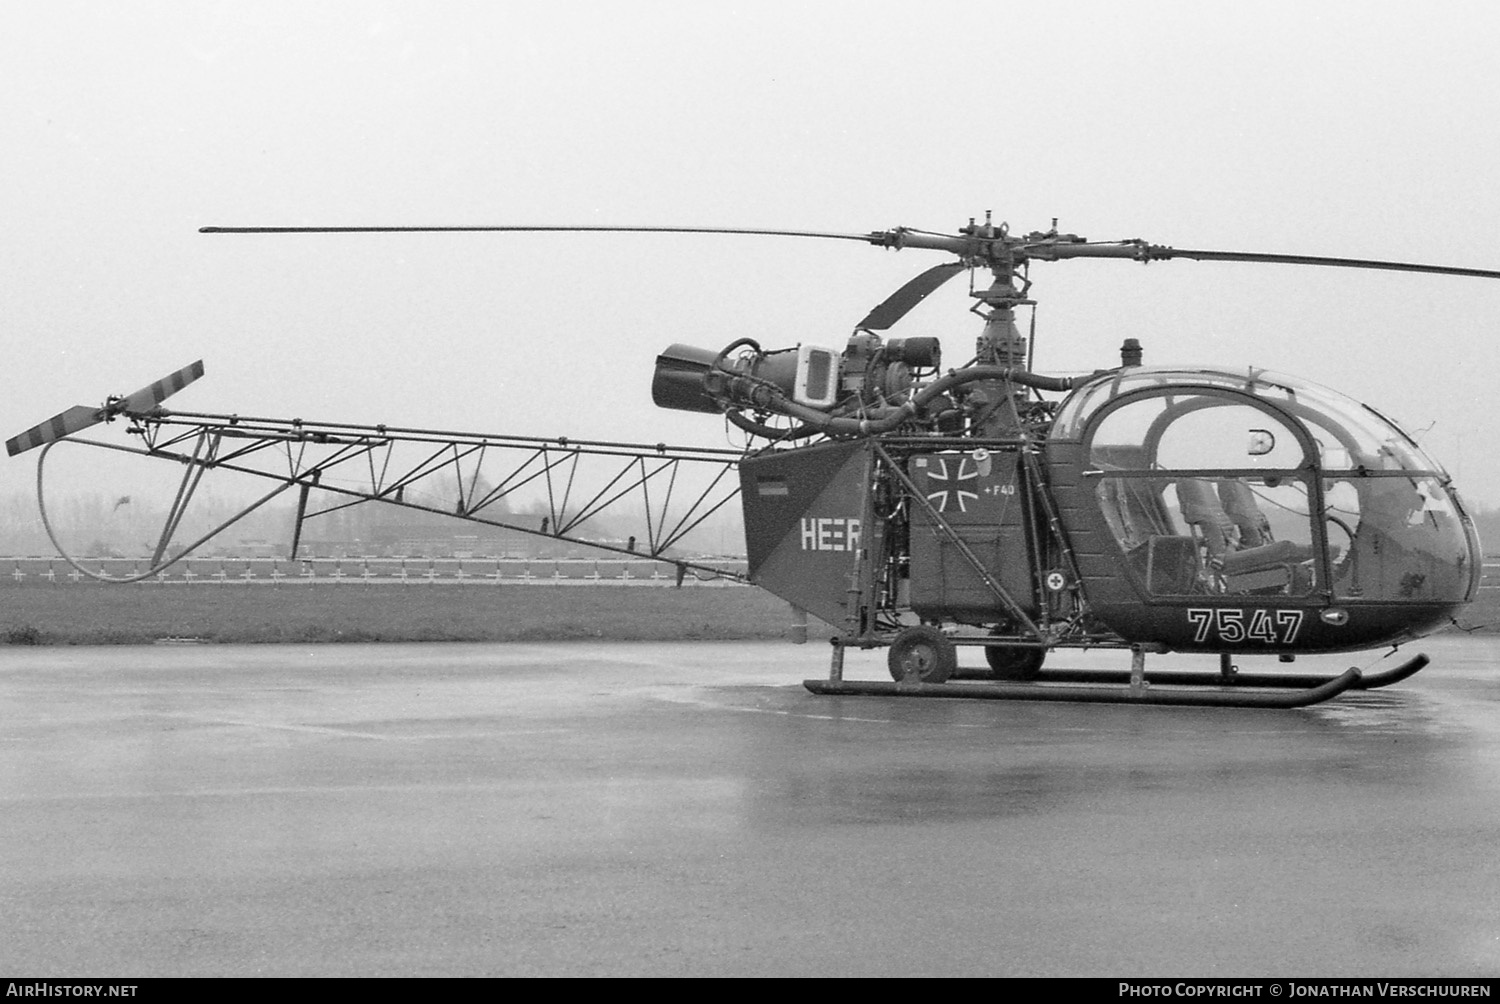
1206, 493
1196, 430
1351, 436
1396, 538
1075, 412
1186, 536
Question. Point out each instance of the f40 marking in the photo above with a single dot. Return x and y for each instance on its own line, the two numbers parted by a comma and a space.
1230, 625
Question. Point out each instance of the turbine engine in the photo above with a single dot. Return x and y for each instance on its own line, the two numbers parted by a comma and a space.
807, 382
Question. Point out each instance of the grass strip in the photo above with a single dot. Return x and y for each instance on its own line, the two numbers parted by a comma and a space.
143, 614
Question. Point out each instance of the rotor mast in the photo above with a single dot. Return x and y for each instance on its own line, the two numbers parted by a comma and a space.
1000, 343
995, 406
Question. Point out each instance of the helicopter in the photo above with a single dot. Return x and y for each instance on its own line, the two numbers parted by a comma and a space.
1231, 512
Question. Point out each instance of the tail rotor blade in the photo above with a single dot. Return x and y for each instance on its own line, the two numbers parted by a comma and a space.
896, 306
75, 419
150, 396
80, 417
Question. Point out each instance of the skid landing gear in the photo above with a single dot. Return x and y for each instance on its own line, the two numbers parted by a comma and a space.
1238, 680
920, 666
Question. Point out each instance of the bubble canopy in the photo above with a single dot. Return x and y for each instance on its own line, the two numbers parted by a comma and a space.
1349, 434
1254, 483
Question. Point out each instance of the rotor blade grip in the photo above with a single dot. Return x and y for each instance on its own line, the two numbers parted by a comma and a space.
901, 237
1059, 252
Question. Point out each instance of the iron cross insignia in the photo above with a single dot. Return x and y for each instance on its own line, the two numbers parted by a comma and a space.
953, 488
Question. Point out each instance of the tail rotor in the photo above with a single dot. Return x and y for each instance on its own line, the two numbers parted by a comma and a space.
80, 417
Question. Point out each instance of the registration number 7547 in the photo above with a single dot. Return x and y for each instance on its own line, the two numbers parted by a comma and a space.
1231, 625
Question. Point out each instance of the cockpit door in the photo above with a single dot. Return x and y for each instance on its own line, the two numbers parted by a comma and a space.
1209, 493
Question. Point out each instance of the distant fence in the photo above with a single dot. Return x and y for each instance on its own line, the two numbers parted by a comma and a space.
55, 572
404, 571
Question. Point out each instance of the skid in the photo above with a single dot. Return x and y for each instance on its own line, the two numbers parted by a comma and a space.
1221, 697
1294, 681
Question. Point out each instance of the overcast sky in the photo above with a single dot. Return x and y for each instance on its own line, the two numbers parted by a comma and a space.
1354, 129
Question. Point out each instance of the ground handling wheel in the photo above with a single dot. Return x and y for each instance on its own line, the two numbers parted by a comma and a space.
1012, 662
922, 654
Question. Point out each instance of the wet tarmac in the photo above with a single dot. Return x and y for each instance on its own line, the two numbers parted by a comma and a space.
689, 809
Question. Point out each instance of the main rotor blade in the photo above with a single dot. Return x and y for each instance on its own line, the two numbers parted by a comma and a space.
966, 245
1155, 253
150, 396
1139, 250
865, 238
896, 306
75, 419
